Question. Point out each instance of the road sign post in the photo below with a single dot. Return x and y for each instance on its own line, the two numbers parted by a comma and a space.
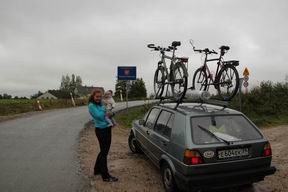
240, 93
246, 78
243, 82
126, 73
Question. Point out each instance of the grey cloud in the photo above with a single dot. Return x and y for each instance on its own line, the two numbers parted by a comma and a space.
41, 40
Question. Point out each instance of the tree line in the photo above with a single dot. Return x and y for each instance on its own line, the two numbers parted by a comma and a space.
7, 96
264, 103
136, 89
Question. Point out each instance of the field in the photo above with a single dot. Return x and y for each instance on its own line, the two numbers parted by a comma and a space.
16, 106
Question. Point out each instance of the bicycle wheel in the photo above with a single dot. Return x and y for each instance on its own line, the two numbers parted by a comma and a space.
159, 82
180, 77
200, 79
227, 82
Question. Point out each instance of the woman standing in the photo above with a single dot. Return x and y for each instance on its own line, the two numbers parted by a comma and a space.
103, 134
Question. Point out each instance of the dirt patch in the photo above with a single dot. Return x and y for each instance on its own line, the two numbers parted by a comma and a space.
137, 173
278, 137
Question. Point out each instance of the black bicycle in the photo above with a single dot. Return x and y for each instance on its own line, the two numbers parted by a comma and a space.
176, 76
226, 79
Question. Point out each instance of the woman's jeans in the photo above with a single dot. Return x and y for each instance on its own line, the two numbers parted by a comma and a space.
104, 138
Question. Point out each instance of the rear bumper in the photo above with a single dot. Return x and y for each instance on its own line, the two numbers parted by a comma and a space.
222, 180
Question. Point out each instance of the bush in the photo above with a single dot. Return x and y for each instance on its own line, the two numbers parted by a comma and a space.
265, 104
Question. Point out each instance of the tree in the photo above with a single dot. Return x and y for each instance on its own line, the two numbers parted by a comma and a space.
69, 84
78, 81
6, 96
138, 89
36, 95
62, 85
120, 86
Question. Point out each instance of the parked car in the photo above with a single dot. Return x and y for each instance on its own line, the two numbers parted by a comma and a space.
202, 146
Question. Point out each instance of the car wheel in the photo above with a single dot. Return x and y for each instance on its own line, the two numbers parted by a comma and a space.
133, 144
168, 179
248, 187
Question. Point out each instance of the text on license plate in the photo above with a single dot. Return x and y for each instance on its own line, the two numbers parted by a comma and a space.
231, 153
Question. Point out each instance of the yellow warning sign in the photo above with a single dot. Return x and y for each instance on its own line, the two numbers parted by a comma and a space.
246, 72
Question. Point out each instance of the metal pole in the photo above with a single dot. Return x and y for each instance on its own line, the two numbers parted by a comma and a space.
240, 93
121, 97
127, 84
72, 99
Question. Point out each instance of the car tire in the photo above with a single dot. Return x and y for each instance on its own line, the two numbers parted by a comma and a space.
168, 179
134, 148
247, 187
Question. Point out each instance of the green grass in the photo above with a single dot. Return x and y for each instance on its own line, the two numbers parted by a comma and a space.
134, 113
125, 119
16, 106
270, 121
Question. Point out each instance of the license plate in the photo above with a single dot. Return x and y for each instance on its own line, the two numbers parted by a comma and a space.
233, 153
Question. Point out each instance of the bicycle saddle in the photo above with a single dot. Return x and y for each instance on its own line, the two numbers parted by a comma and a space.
176, 43
223, 47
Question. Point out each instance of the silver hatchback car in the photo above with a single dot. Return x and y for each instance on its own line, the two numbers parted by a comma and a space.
201, 146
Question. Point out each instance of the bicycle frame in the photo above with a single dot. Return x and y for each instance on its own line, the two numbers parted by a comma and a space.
163, 61
219, 66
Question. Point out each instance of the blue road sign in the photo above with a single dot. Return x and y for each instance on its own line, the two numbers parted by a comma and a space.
126, 73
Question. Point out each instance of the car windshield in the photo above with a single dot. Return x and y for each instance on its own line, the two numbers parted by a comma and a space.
230, 128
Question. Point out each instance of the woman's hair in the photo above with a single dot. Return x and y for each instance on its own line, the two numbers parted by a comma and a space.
93, 93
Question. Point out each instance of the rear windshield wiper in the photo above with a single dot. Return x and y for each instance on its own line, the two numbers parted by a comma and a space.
213, 135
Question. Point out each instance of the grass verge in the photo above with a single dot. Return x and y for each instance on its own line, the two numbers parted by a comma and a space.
16, 106
125, 119
270, 121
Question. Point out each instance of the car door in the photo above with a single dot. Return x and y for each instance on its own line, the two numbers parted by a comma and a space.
145, 130
160, 136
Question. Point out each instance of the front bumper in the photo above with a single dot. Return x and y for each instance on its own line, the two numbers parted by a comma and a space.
222, 180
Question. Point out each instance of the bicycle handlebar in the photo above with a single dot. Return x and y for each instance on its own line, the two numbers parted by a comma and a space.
206, 51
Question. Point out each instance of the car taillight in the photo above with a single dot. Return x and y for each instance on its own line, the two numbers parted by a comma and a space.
192, 157
267, 150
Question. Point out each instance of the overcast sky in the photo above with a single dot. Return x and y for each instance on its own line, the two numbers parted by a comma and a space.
41, 40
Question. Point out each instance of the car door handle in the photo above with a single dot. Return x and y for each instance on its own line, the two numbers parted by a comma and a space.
148, 133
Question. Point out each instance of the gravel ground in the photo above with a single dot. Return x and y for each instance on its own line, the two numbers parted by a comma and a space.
137, 173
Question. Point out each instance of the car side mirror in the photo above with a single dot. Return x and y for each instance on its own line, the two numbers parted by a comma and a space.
141, 122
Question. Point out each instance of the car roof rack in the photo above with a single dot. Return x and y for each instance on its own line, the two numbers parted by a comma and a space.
220, 103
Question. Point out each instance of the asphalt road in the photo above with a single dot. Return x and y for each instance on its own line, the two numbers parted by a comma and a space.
39, 152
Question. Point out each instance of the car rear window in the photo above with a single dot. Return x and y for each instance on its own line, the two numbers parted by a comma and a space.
215, 129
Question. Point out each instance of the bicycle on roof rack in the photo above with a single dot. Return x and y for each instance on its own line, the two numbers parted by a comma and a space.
226, 79
176, 76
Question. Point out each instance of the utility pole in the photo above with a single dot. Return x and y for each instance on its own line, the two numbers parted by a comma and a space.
120, 90
72, 99
127, 90
127, 74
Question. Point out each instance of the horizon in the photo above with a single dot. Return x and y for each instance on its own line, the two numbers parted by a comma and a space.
40, 41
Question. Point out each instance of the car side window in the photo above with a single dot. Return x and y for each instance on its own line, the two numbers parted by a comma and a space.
168, 129
164, 123
151, 118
